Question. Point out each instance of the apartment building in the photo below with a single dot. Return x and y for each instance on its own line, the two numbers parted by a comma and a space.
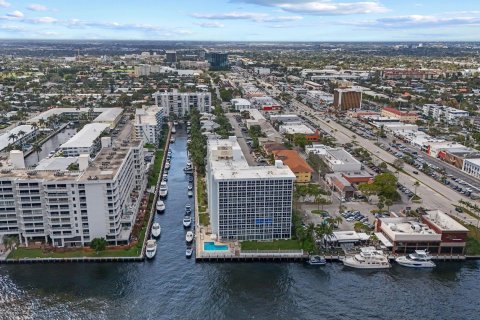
182, 103
247, 203
17, 136
70, 208
85, 141
447, 114
148, 124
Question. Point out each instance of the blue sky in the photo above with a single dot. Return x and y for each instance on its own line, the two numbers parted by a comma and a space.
243, 20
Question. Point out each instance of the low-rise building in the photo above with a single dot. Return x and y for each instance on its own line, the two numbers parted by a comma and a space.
85, 141
472, 167
240, 104
443, 113
409, 117
435, 231
339, 160
296, 163
293, 129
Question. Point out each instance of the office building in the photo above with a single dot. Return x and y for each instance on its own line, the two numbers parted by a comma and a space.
66, 208
217, 60
171, 56
347, 98
247, 203
182, 103
148, 124
339, 160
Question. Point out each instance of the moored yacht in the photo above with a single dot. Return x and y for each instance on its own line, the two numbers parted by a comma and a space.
156, 230
188, 209
151, 249
167, 165
187, 221
368, 258
419, 259
189, 252
160, 206
174, 130
317, 261
189, 237
163, 189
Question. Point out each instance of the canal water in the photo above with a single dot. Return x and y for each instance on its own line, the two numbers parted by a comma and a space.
173, 287
50, 145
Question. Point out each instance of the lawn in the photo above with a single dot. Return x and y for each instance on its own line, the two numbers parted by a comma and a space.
204, 219
20, 253
155, 170
272, 245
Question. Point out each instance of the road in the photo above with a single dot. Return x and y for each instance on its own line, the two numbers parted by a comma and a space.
241, 140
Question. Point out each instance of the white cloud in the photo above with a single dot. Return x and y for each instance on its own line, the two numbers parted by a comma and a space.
252, 16
42, 20
11, 28
15, 14
213, 24
417, 21
322, 7
4, 3
37, 7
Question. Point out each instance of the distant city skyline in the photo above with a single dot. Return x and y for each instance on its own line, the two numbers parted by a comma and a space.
242, 20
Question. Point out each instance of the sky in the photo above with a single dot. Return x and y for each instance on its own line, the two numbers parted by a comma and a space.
242, 20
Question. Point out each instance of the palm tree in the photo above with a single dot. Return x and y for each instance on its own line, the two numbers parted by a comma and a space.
416, 184
41, 123
20, 135
37, 148
12, 137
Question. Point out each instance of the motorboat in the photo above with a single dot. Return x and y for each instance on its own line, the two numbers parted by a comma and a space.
151, 249
189, 252
190, 193
156, 230
418, 259
187, 221
165, 177
316, 261
174, 130
175, 123
167, 165
190, 186
160, 206
368, 258
189, 237
163, 189
172, 140
188, 170
188, 209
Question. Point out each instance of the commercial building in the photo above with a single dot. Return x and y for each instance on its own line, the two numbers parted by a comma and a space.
148, 124
217, 60
347, 98
182, 103
292, 129
240, 104
286, 118
409, 117
247, 203
66, 208
298, 165
435, 231
472, 167
339, 160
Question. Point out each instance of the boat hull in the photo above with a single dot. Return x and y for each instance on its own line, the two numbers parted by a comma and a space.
417, 264
349, 263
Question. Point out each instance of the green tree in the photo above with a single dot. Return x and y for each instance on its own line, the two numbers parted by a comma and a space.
98, 244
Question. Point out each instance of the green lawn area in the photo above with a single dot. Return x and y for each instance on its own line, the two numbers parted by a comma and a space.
155, 170
272, 245
204, 219
38, 253
472, 247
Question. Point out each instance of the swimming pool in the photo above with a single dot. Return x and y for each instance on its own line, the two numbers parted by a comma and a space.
211, 246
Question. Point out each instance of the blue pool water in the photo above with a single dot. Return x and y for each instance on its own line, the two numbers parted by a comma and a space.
209, 246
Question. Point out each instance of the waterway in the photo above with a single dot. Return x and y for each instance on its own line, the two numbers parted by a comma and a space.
50, 145
173, 287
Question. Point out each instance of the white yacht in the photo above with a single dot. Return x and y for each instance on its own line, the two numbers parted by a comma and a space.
175, 123
190, 193
160, 206
172, 140
190, 186
419, 259
317, 261
189, 252
156, 230
174, 130
187, 221
151, 248
189, 237
163, 189
167, 165
368, 258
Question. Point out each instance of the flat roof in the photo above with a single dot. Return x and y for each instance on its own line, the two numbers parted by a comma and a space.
56, 163
85, 137
296, 128
110, 113
340, 155
443, 221
4, 138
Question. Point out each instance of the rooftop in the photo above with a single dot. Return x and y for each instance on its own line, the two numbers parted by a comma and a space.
295, 128
443, 221
4, 138
85, 137
293, 160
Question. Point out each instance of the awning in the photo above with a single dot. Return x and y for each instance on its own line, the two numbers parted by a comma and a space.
384, 240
